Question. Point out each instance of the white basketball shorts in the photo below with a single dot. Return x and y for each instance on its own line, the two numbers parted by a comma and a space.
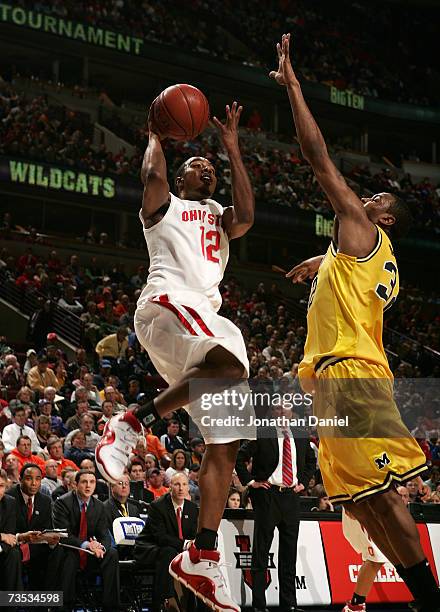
178, 337
359, 539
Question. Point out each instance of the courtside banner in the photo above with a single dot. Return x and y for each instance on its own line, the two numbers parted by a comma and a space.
434, 536
344, 563
311, 575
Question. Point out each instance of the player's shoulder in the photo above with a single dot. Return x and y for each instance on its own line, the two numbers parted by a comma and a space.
384, 247
386, 243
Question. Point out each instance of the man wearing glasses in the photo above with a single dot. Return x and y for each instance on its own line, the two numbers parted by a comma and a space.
119, 505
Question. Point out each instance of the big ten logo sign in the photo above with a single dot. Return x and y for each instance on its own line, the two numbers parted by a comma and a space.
345, 97
323, 226
244, 562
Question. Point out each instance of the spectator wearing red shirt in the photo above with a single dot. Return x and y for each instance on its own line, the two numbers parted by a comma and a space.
155, 483
122, 306
54, 263
255, 121
55, 448
106, 303
155, 447
27, 280
23, 452
28, 259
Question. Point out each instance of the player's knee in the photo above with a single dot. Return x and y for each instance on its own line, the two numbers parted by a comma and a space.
224, 364
220, 455
229, 371
359, 511
383, 504
235, 371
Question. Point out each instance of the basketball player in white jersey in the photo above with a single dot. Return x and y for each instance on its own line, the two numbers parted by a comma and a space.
372, 561
177, 322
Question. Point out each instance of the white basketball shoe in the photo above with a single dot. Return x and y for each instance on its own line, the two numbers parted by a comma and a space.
200, 571
118, 440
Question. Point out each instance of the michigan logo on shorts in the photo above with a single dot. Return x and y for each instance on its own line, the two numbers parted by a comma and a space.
381, 462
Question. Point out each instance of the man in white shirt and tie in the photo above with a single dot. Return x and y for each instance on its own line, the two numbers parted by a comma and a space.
282, 466
172, 520
18, 428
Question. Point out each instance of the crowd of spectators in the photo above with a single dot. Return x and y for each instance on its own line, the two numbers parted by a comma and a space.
422, 196
104, 299
339, 46
68, 401
33, 129
54, 406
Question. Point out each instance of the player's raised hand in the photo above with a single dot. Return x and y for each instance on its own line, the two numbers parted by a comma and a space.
306, 269
285, 74
228, 131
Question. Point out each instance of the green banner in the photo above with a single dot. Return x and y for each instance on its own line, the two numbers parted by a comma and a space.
71, 29
56, 178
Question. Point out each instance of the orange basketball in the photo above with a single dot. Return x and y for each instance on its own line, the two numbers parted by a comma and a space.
180, 112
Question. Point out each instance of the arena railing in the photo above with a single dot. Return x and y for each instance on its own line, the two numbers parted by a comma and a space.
28, 301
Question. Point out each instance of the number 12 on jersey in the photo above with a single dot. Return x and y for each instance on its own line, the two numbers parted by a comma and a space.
210, 242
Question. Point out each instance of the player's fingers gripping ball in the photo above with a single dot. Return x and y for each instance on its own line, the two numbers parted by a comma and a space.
180, 112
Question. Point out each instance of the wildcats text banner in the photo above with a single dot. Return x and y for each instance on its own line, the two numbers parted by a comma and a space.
56, 178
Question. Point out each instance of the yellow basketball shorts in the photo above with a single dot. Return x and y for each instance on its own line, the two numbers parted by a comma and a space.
373, 448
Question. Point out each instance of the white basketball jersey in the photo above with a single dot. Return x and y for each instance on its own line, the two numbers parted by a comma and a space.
188, 251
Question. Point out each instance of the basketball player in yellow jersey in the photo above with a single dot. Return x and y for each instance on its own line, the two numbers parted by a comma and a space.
345, 360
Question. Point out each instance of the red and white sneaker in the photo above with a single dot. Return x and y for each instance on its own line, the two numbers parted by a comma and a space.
201, 573
349, 607
118, 439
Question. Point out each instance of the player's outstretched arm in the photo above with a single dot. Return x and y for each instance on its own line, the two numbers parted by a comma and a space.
240, 218
347, 206
306, 269
154, 175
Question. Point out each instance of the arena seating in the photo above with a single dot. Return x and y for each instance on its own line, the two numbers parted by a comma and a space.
31, 128
373, 60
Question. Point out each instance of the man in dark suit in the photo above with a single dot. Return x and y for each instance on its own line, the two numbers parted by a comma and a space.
119, 505
10, 568
101, 491
172, 520
41, 562
85, 519
282, 465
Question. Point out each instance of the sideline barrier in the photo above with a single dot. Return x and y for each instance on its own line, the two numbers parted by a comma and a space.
327, 566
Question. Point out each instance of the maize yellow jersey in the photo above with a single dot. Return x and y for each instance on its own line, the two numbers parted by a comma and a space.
347, 300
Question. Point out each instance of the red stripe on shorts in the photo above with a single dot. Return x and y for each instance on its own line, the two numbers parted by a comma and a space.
200, 322
163, 301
